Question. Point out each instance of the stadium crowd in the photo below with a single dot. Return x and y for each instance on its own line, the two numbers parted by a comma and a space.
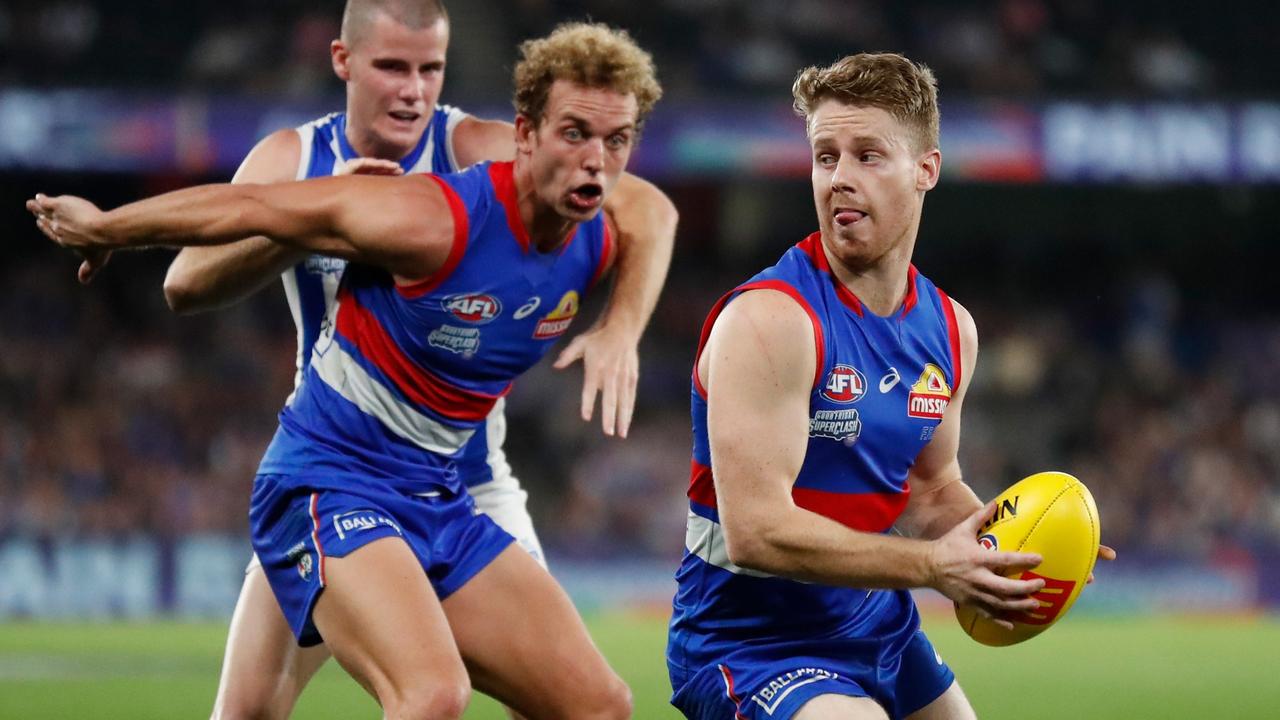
117, 417
1022, 47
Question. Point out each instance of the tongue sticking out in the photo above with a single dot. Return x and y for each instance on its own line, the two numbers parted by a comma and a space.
849, 217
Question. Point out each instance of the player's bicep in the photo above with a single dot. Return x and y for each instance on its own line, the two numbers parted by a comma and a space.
759, 362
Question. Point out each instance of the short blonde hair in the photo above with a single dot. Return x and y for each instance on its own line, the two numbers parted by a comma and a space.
589, 54
906, 90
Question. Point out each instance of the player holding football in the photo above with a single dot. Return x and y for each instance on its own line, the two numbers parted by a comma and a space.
391, 55
363, 524
827, 394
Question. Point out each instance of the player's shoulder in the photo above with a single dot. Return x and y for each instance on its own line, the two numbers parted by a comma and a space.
772, 314
477, 140
964, 322
273, 159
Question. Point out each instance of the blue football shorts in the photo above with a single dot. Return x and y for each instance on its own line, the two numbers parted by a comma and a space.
772, 682
296, 525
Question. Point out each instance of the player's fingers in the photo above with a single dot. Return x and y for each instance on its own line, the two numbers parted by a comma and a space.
571, 354
590, 385
46, 227
1000, 606
1009, 588
1106, 553
626, 403
975, 521
989, 613
1006, 562
609, 405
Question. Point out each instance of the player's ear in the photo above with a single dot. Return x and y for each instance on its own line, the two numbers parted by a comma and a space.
340, 55
525, 130
928, 167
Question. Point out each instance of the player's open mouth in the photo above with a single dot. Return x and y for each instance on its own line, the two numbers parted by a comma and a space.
848, 216
404, 116
586, 196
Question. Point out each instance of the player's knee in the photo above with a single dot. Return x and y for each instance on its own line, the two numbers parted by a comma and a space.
610, 700
443, 700
257, 703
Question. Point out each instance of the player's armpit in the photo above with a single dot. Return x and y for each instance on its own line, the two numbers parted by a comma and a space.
205, 278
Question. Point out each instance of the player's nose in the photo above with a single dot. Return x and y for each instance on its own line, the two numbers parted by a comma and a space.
593, 155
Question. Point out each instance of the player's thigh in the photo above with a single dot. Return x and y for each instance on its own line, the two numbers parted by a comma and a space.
950, 705
382, 621
263, 669
840, 707
524, 643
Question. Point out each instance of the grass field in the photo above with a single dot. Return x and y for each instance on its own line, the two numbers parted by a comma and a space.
1098, 668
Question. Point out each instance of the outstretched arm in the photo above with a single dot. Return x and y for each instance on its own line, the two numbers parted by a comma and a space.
758, 370
644, 224
401, 224
207, 278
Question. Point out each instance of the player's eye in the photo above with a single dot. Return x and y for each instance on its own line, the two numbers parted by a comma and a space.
572, 134
618, 141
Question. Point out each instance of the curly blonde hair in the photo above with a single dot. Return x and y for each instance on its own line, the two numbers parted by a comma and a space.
906, 90
590, 54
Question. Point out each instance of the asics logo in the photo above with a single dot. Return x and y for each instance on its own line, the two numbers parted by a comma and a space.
889, 380
527, 309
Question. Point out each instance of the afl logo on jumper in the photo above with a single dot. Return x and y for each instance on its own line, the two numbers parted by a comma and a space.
556, 322
930, 395
474, 308
844, 385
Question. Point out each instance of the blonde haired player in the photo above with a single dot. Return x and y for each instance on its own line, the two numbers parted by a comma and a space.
826, 402
391, 55
365, 530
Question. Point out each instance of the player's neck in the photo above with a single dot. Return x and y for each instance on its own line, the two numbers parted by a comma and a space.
368, 145
547, 228
881, 286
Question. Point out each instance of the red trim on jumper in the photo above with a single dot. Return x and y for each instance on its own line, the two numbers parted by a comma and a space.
606, 254
909, 302
812, 246
456, 251
361, 327
728, 689
702, 486
780, 286
953, 334
868, 512
503, 177
315, 537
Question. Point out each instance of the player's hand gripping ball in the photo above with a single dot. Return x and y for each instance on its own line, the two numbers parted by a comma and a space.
1053, 514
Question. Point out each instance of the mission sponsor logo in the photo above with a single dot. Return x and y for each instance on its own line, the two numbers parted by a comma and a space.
476, 308
555, 323
777, 689
843, 425
844, 385
930, 395
460, 340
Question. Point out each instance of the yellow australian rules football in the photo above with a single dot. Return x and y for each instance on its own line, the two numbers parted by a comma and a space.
1053, 514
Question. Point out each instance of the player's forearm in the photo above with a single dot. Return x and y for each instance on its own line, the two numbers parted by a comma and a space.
646, 224
196, 216
207, 278
803, 545
934, 511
